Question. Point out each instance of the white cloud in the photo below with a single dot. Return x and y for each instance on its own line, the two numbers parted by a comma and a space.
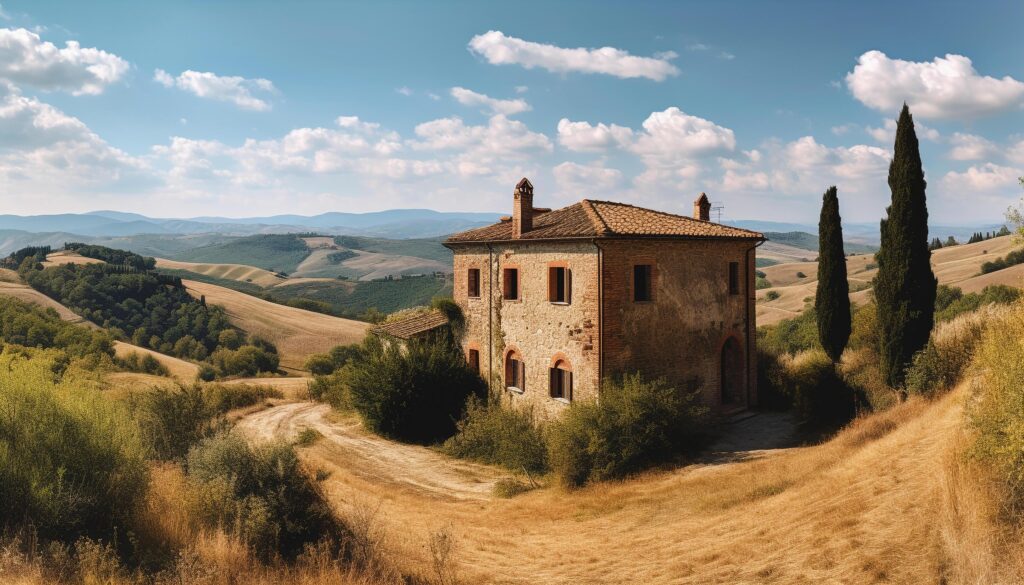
404, 91
580, 181
843, 129
987, 177
471, 98
501, 136
500, 49
672, 135
946, 87
522, 89
971, 147
726, 55
1016, 152
204, 84
886, 134
26, 59
582, 137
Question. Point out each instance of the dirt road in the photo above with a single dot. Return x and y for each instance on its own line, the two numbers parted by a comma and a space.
418, 470
867, 507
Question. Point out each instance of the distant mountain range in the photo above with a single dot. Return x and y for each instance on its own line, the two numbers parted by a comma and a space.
394, 224
149, 235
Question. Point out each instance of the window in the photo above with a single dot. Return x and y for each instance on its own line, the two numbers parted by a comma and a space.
559, 284
734, 278
561, 380
510, 290
473, 282
642, 289
474, 360
515, 372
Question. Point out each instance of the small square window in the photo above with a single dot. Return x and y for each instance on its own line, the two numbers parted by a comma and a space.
734, 278
473, 282
510, 288
561, 382
559, 284
642, 285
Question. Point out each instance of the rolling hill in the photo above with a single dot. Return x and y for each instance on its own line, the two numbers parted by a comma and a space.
958, 266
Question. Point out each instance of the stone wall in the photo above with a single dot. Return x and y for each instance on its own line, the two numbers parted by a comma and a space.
536, 328
681, 332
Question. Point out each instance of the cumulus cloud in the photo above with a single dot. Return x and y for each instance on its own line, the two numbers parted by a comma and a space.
586, 180
237, 90
886, 134
583, 137
986, 177
672, 135
500, 49
970, 147
946, 87
471, 98
25, 59
501, 136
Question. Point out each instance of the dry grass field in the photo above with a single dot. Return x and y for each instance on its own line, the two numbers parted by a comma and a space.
886, 501
956, 266
239, 272
295, 332
26, 293
181, 370
63, 257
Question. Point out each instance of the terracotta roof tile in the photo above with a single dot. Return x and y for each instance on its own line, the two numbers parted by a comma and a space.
412, 326
605, 219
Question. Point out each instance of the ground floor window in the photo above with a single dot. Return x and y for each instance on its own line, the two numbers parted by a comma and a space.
474, 360
515, 372
560, 376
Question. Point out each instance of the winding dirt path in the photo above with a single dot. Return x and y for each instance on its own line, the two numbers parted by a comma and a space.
866, 507
418, 470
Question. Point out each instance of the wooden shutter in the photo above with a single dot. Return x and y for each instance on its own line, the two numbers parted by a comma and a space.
553, 382
522, 376
567, 392
568, 285
552, 284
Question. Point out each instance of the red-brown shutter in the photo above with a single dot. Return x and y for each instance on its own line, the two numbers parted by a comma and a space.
568, 285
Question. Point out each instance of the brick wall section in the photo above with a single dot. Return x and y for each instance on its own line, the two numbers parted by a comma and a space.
680, 333
535, 327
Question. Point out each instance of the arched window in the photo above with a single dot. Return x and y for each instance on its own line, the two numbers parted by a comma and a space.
515, 372
560, 376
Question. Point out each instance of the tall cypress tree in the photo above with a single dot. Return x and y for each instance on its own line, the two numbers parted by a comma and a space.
905, 285
832, 300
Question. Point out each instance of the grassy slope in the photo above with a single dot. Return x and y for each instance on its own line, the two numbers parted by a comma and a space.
238, 272
808, 241
956, 266
872, 505
385, 295
276, 253
295, 332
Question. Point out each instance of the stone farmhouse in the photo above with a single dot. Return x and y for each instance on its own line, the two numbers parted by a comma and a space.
556, 301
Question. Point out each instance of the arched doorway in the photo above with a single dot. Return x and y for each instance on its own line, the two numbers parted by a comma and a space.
732, 374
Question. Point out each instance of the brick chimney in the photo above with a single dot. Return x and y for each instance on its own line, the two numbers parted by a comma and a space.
522, 208
702, 208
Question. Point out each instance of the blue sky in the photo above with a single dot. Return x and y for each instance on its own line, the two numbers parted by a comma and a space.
250, 108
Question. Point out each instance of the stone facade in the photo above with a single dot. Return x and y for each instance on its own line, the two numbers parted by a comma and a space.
697, 330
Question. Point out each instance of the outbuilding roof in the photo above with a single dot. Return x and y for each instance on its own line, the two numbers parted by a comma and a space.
410, 327
604, 219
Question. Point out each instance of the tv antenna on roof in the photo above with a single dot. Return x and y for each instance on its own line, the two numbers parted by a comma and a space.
716, 208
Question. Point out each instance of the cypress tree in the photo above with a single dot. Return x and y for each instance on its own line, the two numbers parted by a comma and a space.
905, 285
832, 300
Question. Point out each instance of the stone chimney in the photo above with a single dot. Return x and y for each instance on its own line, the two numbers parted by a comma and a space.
522, 208
702, 208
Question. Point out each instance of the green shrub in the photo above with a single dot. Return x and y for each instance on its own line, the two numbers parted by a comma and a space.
247, 360
761, 282
221, 398
1011, 259
997, 413
491, 433
144, 363
956, 303
636, 424
71, 461
770, 393
264, 492
771, 295
332, 389
790, 335
413, 393
820, 396
508, 487
942, 363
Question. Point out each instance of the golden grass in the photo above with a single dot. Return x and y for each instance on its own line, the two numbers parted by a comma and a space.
237, 272
64, 257
956, 266
181, 370
296, 333
28, 294
865, 507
